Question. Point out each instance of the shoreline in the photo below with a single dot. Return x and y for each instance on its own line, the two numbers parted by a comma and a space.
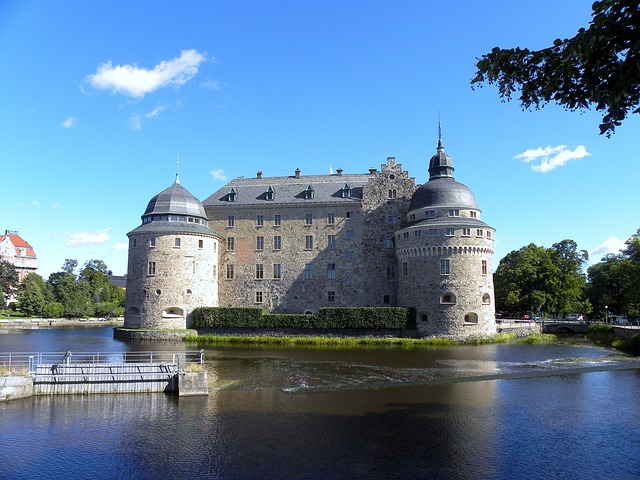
59, 322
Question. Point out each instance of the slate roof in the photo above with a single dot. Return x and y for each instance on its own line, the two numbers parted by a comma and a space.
175, 200
290, 190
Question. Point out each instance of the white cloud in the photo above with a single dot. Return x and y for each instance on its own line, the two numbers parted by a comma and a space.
552, 157
210, 84
120, 246
137, 119
610, 245
69, 122
86, 238
137, 81
218, 174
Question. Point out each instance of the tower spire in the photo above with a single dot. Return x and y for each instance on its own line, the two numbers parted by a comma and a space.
440, 146
178, 168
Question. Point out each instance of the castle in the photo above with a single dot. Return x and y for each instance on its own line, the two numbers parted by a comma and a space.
297, 243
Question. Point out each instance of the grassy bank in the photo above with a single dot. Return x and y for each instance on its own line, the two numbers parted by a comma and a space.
344, 342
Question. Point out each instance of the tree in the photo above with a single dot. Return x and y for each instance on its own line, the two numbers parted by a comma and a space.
598, 67
609, 284
95, 274
570, 262
31, 295
8, 280
69, 265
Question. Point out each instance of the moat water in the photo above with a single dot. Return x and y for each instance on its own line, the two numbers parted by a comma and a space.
486, 412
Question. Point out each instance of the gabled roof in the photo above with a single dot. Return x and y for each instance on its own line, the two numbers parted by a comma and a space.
18, 243
290, 190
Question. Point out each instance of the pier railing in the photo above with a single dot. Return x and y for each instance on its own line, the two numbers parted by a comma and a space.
28, 363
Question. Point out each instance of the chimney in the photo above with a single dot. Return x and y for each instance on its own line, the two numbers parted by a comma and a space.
297, 173
372, 170
339, 172
391, 161
259, 174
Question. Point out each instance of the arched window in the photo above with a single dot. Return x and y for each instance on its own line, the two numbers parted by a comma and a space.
486, 299
173, 312
471, 319
448, 298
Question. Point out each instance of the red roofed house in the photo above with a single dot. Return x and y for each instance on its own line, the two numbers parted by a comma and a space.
19, 253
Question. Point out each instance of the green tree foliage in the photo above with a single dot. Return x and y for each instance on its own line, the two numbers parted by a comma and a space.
8, 280
539, 279
53, 310
31, 295
598, 67
614, 282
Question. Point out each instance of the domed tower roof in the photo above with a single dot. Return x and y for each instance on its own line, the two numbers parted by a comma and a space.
175, 200
442, 190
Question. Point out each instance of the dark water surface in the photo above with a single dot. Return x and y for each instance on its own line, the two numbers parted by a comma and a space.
486, 412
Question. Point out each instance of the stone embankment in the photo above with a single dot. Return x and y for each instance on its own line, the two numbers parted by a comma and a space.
58, 322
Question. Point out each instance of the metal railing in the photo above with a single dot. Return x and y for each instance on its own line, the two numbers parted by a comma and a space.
27, 363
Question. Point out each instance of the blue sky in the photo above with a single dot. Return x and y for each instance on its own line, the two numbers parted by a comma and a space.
97, 99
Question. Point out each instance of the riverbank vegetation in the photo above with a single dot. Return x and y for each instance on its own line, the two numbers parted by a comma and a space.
87, 293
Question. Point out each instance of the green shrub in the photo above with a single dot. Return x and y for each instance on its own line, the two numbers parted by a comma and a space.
53, 310
227, 317
366, 317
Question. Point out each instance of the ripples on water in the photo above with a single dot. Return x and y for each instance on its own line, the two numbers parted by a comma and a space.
487, 412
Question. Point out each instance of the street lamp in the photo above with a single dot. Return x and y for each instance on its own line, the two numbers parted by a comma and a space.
606, 314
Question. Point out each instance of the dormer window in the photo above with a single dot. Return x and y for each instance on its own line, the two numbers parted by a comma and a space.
231, 196
346, 191
308, 193
269, 194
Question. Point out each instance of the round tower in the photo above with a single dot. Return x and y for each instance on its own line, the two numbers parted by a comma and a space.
444, 256
173, 262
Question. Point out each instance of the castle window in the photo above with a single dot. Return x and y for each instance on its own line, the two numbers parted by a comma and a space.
277, 242
331, 241
331, 218
390, 241
350, 234
349, 215
277, 220
308, 270
134, 242
215, 246
474, 214
405, 269
386, 299
151, 269
308, 242
417, 233
269, 194
260, 220
331, 296
484, 267
392, 193
392, 218
405, 235
448, 298
433, 232
351, 280
412, 216
308, 193
479, 232
331, 270
231, 196
231, 221
351, 255
454, 213
488, 234
277, 272
486, 299
466, 232
391, 271
430, 214
215, 272
152, 242
308, 219
445, 267
229, 272
231, 242
259, 243
258, 297
259, 271
449, 232
176, 242
424, 317
346, 191
471, 319
200, 244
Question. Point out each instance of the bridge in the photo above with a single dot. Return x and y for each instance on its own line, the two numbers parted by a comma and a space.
564, 326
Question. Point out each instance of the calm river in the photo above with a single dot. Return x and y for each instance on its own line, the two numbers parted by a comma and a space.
486, 412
